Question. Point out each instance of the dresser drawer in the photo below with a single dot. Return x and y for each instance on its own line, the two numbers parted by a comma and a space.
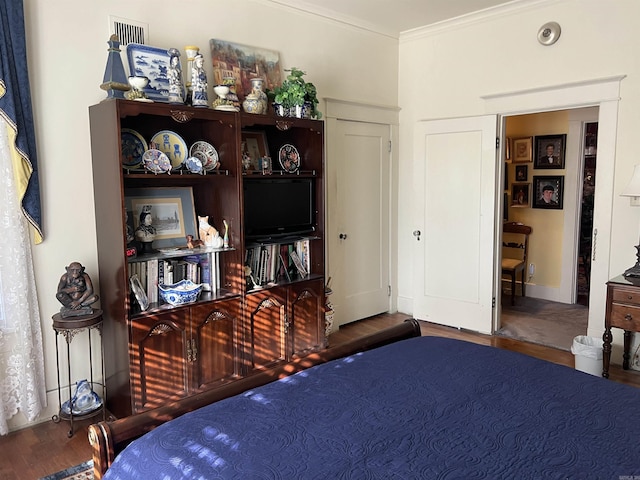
626, 295
625, 317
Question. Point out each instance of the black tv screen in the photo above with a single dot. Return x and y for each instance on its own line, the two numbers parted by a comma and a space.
278, 207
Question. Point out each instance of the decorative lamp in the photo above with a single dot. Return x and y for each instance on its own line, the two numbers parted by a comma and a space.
633, 191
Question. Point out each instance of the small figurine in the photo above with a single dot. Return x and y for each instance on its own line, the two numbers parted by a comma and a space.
146, 233
175, 77
225, 242
207, 231
193, 242
199, 83
75, 292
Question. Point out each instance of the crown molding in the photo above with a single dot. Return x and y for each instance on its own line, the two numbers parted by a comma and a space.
506, 9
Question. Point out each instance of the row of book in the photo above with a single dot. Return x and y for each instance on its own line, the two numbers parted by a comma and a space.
269, 263
201, 268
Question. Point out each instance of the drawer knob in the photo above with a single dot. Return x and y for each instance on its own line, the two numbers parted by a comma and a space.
628, 317
629, 297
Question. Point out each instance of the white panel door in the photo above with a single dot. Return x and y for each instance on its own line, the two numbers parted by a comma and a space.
358, 220
455, 170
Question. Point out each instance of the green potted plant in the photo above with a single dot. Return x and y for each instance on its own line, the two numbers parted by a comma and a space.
291, 96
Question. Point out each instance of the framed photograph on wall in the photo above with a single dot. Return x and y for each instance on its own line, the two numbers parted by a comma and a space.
520, 194
521, 150
548, 191
522, 172
550, 151
172, 213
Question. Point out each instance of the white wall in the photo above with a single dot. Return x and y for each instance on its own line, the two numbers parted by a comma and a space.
445, 71
67, 48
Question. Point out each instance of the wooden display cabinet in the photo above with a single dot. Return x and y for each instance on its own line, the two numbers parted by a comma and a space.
168, 352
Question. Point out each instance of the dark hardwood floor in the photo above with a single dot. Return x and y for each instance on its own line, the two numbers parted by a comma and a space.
44, 449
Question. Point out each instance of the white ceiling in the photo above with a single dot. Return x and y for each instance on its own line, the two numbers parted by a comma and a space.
390, 17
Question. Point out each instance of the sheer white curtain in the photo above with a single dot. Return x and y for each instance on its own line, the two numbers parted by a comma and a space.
22, 382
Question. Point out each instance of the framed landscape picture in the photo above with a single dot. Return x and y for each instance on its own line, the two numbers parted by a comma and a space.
548, 191
243, 63
172, 213
550, 151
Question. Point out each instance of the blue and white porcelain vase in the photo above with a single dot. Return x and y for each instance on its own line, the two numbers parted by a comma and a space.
256, 101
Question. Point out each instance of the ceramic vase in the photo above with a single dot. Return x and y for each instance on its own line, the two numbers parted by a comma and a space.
256, 101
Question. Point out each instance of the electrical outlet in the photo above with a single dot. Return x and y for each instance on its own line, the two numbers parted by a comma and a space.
532, 269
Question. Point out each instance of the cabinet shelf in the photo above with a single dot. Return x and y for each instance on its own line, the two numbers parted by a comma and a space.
180, 252
140, 173
283, 282
205, 298
277, 173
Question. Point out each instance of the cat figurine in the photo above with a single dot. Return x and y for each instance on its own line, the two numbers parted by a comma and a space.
208, 234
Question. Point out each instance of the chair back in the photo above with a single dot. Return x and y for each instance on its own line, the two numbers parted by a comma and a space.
515, 241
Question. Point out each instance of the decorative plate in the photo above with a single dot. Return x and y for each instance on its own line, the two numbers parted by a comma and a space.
139, 292
289, 158
172, 145
153, 63
194, 165
156, 161
133, 147
211, 160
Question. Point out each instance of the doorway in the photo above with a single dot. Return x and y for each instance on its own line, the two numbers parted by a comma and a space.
557, 305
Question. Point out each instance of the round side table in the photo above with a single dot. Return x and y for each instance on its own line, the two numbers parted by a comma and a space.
70, 327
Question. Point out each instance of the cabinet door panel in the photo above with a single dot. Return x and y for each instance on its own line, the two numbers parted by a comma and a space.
215, 335
158, 360
306, 317
266, 343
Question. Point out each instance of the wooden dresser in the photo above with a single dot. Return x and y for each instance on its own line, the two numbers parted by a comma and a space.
623, 311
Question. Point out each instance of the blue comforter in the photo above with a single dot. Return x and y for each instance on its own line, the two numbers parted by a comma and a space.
423, 408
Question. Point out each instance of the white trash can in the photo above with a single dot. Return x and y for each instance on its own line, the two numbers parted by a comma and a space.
588, 354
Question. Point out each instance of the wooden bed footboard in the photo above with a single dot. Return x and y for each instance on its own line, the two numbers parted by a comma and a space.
110, 438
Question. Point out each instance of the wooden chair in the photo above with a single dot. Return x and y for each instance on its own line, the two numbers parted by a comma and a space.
515, 245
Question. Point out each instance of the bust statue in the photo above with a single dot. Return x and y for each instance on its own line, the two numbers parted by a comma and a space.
146, 232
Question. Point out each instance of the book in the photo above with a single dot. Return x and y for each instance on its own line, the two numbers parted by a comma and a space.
152, 281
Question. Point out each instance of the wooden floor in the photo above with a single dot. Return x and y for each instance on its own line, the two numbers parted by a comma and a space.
44, 449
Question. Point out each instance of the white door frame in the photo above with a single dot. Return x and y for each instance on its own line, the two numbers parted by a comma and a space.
605, 94
335, 110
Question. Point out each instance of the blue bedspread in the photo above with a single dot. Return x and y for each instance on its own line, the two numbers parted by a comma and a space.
424, 408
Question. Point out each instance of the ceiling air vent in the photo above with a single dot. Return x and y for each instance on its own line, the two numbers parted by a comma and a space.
129, 31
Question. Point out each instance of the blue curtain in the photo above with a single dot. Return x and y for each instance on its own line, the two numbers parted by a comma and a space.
15, 109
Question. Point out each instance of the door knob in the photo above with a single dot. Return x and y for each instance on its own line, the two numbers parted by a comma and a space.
343, 236
417, 233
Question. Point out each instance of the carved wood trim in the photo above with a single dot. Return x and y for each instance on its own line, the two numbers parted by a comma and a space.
182, 116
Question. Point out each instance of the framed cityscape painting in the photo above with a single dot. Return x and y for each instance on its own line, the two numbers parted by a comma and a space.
243, 63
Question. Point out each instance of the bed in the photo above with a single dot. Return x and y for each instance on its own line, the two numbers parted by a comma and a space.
418, 407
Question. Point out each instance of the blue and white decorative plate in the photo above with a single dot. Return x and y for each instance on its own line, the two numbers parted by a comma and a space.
172, 145
133, 148
194, 165
156, 161
153, 63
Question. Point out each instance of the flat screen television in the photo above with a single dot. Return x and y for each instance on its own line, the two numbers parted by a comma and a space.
278, 207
